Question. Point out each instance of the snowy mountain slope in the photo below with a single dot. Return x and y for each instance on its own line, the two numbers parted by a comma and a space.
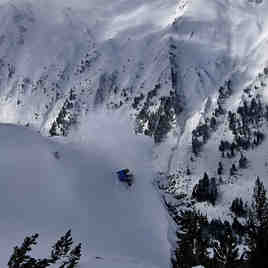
164, 64
230, 186
46, 53
218, 161
48, 49
78, 189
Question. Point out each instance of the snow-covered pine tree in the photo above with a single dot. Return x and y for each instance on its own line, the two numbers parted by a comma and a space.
257, 227
62, 254
226, 250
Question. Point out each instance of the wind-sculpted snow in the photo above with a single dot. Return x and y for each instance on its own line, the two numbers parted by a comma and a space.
77, 188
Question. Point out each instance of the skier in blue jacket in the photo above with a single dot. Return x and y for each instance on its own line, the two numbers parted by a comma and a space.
125, 176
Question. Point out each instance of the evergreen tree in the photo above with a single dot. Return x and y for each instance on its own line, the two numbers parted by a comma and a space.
62, 253
233, 170
253, 107
258, 137
260, 203
238, 207
266, 112
213, 123
53, 130
213, 191
206, 179
205, 190
188, 171
257, 228
20, 257
184, 254
222, 148
226, 251
232, 122
192, 244
232, 149
220, 168
243, 161
238, 228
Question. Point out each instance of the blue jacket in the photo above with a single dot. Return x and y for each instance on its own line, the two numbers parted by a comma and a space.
123, 174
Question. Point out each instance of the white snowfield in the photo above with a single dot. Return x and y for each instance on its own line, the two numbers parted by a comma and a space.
78, 189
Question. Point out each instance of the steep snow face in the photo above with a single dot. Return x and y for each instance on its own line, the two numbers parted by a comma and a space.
248, 83
120, 16
238, 27
221, 39
33, 37
110, 54
47, 49
77, 188
216, 41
